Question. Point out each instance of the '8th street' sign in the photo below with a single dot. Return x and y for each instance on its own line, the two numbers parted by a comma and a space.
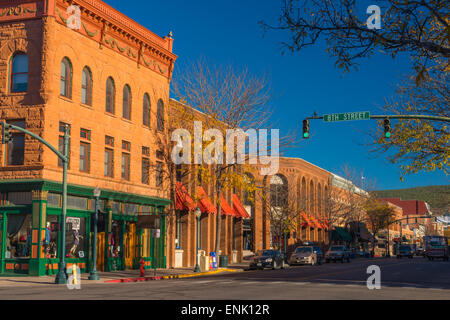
348, 116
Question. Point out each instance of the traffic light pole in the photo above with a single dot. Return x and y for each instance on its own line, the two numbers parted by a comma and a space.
367, 116
61, 277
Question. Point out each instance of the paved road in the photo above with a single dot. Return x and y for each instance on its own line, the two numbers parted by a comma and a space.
400, 279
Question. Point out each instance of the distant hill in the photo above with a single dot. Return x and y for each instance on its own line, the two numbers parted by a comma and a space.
438, 197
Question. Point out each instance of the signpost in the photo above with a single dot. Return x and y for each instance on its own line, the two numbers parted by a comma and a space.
348, 116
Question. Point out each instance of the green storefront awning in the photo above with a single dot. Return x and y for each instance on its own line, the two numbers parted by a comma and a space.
340, 234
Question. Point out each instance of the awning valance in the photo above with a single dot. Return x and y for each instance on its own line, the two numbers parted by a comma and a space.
341, 234
315, 223
183, 199
239, 209
306, 221
204, 203
225, 207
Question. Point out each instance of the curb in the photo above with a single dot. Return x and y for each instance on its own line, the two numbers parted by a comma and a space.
179, 276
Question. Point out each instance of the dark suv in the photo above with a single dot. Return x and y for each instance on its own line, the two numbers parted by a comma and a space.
337, 253
267, 259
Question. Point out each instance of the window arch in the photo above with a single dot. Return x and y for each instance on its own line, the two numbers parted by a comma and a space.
311, 197
110, 95
126, 110
146, 111
86, 86
66, 78
19, 72
160, 115
278, 191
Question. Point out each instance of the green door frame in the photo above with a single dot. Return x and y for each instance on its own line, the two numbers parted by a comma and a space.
2, 242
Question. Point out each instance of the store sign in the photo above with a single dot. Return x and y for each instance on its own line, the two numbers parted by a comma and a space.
75, 222
148, 222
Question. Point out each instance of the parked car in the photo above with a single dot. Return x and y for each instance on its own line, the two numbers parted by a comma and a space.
405, 250
337, 253
306, 255
267, 259
420, 251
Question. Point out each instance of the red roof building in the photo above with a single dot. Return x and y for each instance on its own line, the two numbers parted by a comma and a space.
410, 207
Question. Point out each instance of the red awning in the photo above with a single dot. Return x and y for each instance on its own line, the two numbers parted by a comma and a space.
183, 199
315, 223
306, 221
239, 209
225, 207
204, 203
324, 223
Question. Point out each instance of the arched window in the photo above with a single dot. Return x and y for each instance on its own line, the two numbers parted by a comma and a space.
110, 95
19, 73
86, 87
66, 78
278, 191
311, 197
146, 111
160, 115
126, 102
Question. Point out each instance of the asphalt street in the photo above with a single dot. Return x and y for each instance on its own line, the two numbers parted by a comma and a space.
400, 279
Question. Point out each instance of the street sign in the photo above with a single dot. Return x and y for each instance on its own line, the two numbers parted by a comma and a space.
348, 116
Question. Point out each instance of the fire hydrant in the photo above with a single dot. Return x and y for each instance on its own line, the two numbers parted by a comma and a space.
142, 268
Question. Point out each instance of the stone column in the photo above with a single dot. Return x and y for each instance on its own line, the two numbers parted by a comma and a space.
38, 225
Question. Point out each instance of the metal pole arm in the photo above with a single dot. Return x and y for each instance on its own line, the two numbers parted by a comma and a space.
59, 154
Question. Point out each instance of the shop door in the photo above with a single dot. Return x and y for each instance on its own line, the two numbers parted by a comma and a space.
130, 244
101, 251
2, 246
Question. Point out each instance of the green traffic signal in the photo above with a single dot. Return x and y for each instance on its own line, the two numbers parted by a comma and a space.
387, 128
305, 129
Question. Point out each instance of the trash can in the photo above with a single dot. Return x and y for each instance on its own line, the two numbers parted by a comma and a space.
223, 261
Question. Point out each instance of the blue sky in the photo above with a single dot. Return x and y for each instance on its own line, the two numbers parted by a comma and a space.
227, 32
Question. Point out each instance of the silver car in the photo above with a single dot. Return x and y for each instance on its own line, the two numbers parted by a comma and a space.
337, 253
306, 255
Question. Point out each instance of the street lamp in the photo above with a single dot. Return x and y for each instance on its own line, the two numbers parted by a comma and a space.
198, 214
94, 274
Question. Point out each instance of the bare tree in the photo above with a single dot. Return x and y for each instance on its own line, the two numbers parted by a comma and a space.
228, 99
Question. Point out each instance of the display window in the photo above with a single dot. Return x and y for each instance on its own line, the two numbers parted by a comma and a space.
18, 236
51, 237
76, 237
115, 239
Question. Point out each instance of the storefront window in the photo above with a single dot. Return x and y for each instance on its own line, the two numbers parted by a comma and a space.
18, 237
51, 237
75, 237
115, 239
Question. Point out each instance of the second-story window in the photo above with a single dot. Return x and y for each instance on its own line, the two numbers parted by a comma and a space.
66, 78
86, 87
15, 149
110, 95
145, 165
126, 148
85, 150
19, 73
109, 157
126, 102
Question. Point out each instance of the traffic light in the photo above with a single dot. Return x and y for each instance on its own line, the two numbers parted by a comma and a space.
305, 129
6, 133
387, 128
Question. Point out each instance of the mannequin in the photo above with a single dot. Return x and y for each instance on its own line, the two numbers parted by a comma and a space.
76, 242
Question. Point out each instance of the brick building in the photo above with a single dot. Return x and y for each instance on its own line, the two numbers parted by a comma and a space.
108, 80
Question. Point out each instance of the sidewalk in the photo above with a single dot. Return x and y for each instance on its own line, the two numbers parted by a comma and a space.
121, 276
